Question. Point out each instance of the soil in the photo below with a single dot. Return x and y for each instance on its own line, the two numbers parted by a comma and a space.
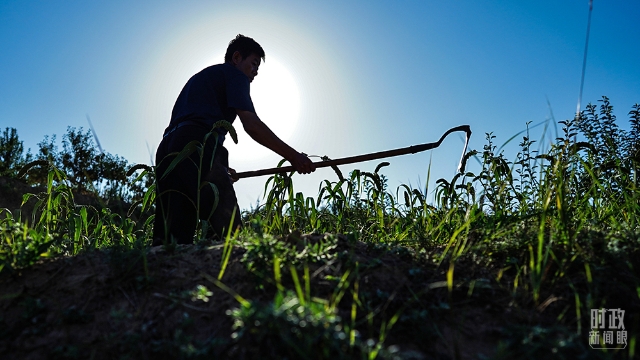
102, 305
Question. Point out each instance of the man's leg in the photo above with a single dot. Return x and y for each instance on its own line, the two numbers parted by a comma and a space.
227, 208
176, 216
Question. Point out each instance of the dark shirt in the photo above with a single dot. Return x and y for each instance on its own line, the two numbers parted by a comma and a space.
213, 94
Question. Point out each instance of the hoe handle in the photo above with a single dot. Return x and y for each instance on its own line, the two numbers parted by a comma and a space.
366, 157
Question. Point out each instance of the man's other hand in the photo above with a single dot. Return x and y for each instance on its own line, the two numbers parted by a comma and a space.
303, 164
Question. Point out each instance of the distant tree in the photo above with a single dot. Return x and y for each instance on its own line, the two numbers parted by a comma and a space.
633, 141
86, 168
79, 158
601, 130
614, 148
11, 149
47, 152
633, 137
89, 169
113, 171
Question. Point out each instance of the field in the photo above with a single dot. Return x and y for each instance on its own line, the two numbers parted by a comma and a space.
508, 261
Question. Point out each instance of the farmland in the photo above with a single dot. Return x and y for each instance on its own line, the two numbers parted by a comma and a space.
507, 261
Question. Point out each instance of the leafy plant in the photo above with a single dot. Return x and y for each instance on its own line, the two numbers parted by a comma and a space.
11, 153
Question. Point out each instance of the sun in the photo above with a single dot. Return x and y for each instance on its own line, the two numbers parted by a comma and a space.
276, 100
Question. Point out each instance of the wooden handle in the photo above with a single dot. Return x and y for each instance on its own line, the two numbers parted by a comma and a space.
366, 157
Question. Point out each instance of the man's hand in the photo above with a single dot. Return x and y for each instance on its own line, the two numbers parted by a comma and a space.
303, 164
232, 175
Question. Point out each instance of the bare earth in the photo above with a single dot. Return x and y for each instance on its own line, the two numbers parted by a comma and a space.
99, 305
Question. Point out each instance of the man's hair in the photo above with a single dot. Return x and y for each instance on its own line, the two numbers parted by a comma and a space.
245, 45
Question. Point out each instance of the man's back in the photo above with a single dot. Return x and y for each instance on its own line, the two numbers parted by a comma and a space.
212, 94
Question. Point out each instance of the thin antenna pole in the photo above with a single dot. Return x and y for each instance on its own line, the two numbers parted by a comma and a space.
150, 155
584, 60
95, 136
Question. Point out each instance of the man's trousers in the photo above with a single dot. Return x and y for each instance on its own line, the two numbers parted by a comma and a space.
186, 188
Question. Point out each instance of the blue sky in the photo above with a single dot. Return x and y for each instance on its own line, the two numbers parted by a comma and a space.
369, 75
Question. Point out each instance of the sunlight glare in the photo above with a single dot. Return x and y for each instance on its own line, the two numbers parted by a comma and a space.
276, 99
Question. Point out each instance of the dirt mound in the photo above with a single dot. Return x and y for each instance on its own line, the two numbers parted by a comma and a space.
100, 303
148, 303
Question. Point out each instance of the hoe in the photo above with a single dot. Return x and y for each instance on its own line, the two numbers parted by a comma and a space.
372, 156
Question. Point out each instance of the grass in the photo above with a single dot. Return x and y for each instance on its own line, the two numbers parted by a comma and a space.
526, 247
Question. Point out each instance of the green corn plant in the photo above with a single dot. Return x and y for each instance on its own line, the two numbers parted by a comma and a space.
184, 155
20, 245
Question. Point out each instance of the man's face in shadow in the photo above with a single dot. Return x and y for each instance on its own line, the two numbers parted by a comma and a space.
249, 65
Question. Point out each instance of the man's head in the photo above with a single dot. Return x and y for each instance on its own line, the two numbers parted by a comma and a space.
244, 53
245, 45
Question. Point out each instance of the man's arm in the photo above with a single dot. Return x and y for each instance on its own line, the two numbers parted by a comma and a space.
261, 133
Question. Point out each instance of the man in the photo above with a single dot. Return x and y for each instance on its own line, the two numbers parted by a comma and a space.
219, 92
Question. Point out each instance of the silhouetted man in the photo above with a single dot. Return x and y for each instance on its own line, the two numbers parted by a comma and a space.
219, 92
